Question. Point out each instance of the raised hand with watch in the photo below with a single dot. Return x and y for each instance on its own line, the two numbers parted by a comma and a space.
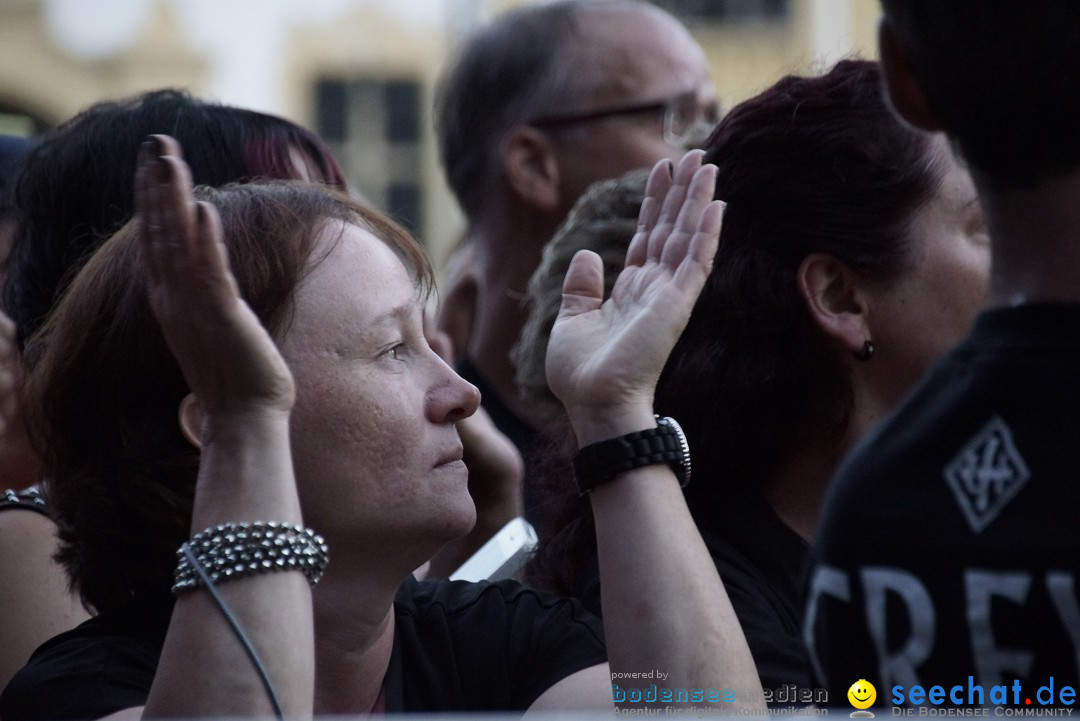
664, 604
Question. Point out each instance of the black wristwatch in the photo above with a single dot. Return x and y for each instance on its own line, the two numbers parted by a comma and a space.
600, 462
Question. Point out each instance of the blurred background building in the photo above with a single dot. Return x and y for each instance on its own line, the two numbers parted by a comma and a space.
361, 73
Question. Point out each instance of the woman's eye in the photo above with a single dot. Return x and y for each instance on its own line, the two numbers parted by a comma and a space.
397, 352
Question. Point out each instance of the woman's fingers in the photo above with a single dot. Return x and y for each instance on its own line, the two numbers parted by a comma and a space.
673, 201
212, 254
164, 206
145, 181
157, 221
698, 196
656, 189
702, 247
583, 286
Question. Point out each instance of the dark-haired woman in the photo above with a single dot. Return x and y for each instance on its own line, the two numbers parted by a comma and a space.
74, 189
853, 254
77, 187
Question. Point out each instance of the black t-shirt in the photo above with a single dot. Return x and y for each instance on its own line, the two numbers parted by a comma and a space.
457, 646
487, 647
762, 563
101, 666
950, 541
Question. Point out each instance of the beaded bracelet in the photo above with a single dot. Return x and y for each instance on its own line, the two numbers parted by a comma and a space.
234, 550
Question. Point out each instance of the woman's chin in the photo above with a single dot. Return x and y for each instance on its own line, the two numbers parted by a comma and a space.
463, 520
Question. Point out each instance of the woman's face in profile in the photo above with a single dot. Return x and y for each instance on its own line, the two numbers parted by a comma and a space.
375, 447
931, 306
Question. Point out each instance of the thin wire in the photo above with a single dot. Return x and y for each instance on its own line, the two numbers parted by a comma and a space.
235, 624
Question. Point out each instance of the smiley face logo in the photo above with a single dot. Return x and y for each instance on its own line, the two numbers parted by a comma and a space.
862, 694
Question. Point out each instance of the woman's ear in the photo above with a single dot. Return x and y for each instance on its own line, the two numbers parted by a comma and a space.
190, 416
835, 299
903, 89
530, 166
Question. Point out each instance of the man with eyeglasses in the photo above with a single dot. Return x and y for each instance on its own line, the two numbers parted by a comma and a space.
535, 108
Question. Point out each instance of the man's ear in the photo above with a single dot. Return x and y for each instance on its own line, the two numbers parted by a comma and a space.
530, 166
835, 300
905, 93
190, 416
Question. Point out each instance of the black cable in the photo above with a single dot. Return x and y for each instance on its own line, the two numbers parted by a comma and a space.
235, 624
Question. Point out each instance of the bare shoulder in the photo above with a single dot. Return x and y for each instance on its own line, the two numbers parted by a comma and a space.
34, 590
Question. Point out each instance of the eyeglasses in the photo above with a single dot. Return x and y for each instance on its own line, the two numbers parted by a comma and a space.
682, 115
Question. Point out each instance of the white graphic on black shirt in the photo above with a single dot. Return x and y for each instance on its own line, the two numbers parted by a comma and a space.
986, 474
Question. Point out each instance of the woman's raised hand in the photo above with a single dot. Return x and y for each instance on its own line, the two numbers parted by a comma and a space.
663, 601
605, 357
227, 357
245, 393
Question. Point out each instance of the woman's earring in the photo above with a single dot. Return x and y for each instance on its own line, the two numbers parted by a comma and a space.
867, 351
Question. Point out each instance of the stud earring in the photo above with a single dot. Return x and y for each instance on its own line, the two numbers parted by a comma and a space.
867, 351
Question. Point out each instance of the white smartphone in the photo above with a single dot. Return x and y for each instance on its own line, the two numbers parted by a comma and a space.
502, 556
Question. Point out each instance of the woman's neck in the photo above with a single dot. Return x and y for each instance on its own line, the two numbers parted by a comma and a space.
354, 638
796, 489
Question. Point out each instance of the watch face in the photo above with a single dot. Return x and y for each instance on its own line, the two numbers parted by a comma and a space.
684, 472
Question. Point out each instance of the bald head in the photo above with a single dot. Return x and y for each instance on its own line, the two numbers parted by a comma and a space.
622, 48
561, 57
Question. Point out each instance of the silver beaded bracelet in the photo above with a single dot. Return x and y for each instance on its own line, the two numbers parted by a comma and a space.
234, 550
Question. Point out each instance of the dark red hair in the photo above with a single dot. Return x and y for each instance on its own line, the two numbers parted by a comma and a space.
104, 387
813, 164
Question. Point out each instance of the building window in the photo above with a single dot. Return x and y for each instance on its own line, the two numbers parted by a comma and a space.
726, 10
373, 127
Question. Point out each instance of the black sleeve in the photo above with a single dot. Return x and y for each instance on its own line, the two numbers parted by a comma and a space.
778, 651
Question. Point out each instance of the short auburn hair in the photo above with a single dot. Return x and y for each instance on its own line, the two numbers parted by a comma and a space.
104, 388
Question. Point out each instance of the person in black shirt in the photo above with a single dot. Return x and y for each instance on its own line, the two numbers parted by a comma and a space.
948, 553
813, 324
74, 187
